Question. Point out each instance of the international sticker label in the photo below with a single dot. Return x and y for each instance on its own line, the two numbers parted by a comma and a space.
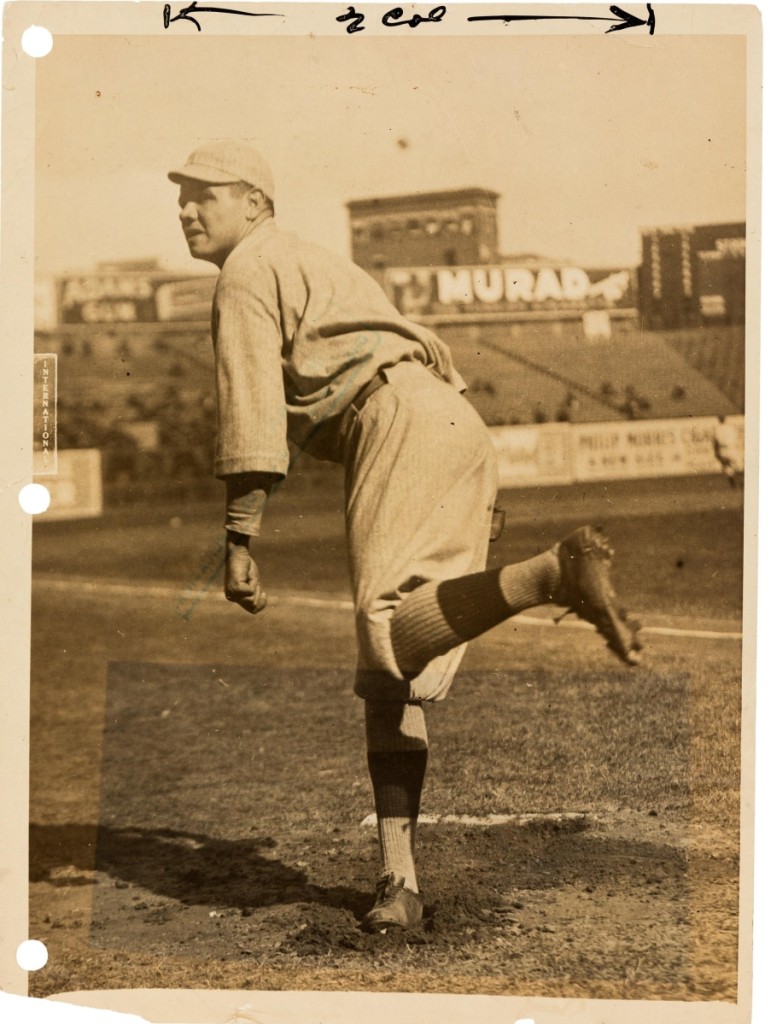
44, 453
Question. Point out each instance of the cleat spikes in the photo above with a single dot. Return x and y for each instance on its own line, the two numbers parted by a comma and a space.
585, 588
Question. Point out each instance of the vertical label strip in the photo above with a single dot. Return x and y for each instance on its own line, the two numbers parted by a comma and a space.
44, 448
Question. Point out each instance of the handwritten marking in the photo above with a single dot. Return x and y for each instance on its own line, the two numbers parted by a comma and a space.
621, 20
354, 17
185, 13
392, 18
395, 17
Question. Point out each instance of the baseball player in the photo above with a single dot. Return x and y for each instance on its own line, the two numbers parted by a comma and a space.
727, 450
309, 351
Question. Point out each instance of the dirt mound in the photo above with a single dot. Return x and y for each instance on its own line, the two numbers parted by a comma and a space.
463, 907
326, 929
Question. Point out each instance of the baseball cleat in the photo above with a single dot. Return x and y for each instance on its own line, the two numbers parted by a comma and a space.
585, 589
395, 906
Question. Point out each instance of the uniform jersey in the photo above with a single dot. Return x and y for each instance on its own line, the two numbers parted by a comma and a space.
298, 332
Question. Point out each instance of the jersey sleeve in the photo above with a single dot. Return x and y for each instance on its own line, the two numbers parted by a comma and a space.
251, 403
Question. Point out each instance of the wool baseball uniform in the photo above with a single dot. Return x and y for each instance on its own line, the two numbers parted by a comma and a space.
309, 352
298, 333
728, 450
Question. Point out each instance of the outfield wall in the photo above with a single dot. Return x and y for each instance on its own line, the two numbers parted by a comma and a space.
528, 456
565, 453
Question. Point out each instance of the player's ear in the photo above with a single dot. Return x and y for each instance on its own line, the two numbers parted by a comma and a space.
256, 200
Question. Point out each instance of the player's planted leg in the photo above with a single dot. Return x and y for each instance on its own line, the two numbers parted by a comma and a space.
397, 753
441, 614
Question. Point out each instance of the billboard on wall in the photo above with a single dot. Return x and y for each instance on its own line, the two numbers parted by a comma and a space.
508, 288
532, 455
721, 252
127, 297
76, 487
645, 448
580, 452
693, 275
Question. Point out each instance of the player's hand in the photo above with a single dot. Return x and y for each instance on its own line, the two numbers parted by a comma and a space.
242, 579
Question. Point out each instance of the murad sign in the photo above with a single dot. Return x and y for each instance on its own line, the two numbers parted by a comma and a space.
509, 288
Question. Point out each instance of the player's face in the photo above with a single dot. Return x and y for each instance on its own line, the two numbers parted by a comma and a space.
213, 218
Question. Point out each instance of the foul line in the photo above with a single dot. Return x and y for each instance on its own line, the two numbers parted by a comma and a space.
81, 585
557, 818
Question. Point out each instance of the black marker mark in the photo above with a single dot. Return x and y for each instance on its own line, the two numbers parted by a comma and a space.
392, 18
185, 13
622, 20
355, 25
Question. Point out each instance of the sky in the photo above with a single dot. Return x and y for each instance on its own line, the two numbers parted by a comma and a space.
587, 138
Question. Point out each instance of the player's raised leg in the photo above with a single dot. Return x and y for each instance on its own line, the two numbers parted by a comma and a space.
442, 614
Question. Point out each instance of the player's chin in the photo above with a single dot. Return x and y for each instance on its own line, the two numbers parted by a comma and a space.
199, 247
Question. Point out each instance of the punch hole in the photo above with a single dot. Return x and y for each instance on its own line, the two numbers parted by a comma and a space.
524, 1020
34, 498
37, 41
32, 955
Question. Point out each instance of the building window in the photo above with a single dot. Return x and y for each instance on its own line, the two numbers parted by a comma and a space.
432, 227
467, 226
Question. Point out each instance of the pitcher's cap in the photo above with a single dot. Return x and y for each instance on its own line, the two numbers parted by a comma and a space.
220, 163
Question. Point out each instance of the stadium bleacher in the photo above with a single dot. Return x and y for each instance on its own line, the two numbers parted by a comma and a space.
514, 373
717, 354
535, 368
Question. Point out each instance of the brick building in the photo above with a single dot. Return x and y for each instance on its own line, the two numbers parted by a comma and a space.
429, 229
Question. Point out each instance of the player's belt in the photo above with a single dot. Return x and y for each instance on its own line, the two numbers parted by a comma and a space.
368, 391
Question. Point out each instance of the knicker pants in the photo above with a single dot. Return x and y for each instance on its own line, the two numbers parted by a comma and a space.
421, 481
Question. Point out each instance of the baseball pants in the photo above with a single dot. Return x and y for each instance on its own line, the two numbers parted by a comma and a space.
420, 484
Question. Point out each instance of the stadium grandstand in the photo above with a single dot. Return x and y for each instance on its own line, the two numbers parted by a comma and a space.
537, 341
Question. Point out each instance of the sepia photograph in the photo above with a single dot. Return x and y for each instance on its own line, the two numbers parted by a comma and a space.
392, 378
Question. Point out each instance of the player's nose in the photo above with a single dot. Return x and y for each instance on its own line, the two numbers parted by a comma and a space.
187, 213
